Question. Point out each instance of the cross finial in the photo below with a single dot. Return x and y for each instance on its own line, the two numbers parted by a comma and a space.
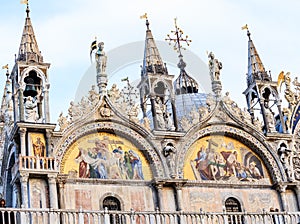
178, 39
246, 28
26, 2
7, 70
145, 16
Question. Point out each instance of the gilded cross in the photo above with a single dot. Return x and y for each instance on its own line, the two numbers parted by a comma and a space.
178, 39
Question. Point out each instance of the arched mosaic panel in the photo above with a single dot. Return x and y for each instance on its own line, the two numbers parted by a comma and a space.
105, 156
218, 157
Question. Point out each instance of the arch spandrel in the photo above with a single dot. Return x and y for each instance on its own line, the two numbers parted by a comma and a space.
264, 152
218, 157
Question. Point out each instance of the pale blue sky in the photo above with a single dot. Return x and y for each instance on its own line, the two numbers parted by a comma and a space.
65, 29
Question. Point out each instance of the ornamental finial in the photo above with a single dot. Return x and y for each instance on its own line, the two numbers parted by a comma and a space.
246, 28
145, 16
178, 39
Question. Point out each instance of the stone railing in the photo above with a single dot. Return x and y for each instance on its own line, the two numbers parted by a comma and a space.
50, 216
36, 163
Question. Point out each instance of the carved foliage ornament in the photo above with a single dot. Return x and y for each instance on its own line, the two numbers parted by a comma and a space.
77, 110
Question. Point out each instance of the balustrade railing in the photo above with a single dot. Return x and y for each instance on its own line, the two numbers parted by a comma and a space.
51, 216
36, 163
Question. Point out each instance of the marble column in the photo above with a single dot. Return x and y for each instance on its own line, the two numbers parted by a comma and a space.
153, 110
52, 191
49, 152
297, 191
46, 106
178, 188
174, 113
263, 111
21, 104
281, 190
22, 133
24, 188
159, 188
61, 179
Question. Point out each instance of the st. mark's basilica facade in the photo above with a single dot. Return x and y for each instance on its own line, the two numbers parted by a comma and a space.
160, 149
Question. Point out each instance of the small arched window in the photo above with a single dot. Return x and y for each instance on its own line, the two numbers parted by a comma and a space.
113, 204
233, 205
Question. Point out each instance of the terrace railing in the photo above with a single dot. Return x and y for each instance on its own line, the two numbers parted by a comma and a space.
60, 216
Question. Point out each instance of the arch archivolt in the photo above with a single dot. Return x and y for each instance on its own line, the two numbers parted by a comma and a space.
141, 141
110, 194
270, 159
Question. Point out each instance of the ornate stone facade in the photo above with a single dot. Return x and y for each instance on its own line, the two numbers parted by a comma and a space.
106, 151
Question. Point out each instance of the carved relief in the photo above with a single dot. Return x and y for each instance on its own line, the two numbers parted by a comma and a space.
31, 109
105, 111
169, 151
195, 116
285, 154
113, 93
185, 124
210, 102
63, 122
86, 104
93, 96
296, 166
146, 123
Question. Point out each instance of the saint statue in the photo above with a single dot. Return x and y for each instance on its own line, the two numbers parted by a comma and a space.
214, 67
101, 59
30, 109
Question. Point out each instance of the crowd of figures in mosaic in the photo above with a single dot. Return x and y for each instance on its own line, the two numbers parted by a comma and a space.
100, 162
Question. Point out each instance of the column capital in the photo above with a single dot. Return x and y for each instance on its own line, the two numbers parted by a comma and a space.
159, 184
281, 188
24, 177
48, 133
52, 178
178, 186
22, 131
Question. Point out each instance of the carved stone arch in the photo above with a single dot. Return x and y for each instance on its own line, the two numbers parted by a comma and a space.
264, 151
167, 84
273, 92
110, 194
236, 197
150, 152
39, 73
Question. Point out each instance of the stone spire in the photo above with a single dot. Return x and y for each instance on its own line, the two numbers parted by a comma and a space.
152, 62
256, 70
156, 87
6, 105
30, 79
29, 50
262, 95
